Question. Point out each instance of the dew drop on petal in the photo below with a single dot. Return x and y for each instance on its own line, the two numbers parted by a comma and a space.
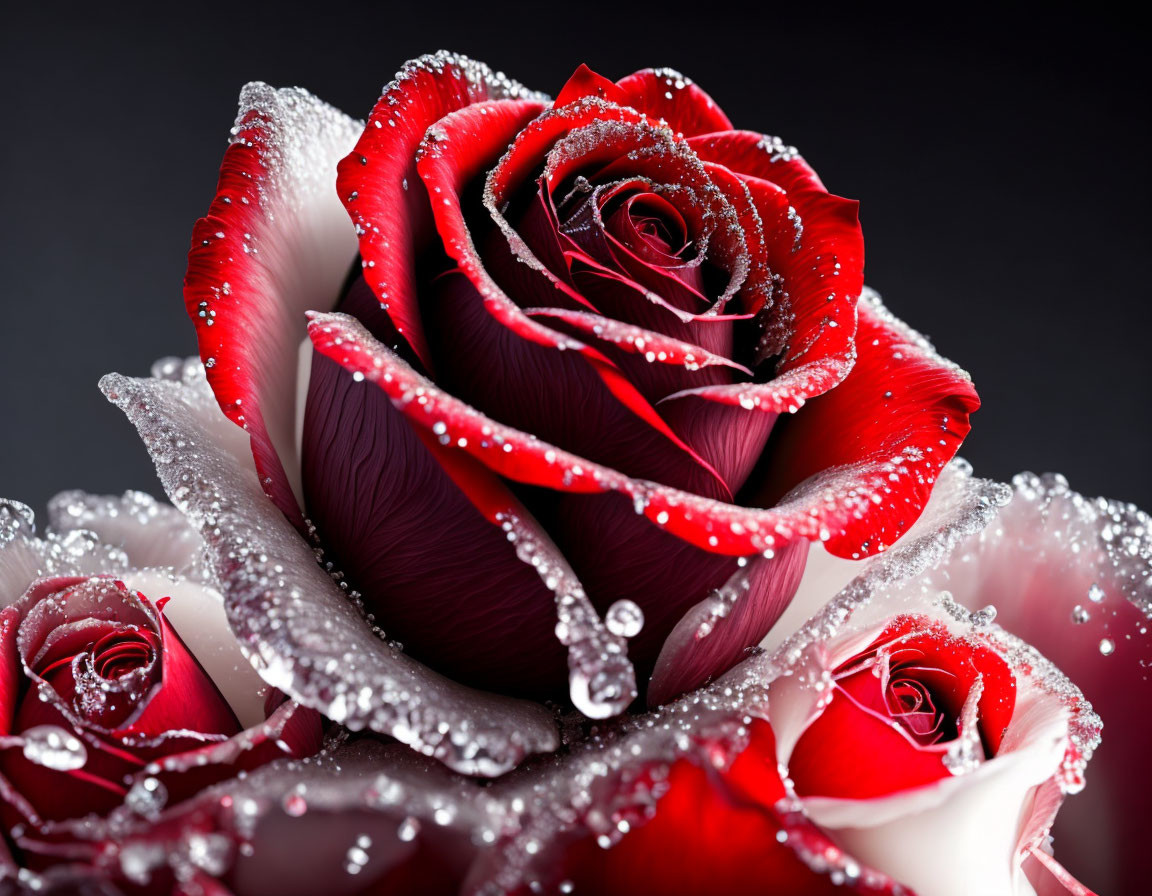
1107, 646
408, 829
147, 797
624, 618
55, 748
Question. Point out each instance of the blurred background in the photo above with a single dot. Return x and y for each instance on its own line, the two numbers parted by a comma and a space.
1001, 166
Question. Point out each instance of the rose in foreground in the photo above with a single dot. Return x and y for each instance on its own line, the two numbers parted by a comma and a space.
579, 371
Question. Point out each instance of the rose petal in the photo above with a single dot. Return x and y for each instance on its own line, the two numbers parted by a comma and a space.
378, 184
274, 243
196, 612
823, 271
922, 402
667, 94
585, 82
527, 380
716, 633
1073, 576
839, 500
295, 624
150, 533
407, 538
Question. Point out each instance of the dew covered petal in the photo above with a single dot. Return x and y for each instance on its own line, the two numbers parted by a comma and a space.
275, 242
300, 631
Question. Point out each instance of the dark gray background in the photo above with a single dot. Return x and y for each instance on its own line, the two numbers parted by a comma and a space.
1002, 167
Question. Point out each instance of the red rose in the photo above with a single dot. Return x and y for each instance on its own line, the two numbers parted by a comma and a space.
102, 705
608, 324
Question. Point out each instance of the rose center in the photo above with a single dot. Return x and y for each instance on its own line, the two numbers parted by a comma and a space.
121, 653
649, 226
912, 705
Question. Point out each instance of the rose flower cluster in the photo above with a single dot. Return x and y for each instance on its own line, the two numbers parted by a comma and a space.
556, 511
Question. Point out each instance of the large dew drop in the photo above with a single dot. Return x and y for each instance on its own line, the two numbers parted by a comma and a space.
54, 748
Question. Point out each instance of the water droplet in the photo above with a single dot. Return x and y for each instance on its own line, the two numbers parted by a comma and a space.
1096, 594
54, 748
209, 852
1107, 646
408, 829
147, 797
624, 618
1080, 615
295, 805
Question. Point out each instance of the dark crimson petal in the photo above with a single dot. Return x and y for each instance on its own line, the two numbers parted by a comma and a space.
903, 410
612, 143
585, 82
274, 244
731, 438
538, 388
717, 632
658, 364
669, 95
621, 556
433, 572
838, 502
523, 285
378, 182
642, 223
497, 358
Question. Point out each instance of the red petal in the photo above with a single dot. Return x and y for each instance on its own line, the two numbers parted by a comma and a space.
187, 700
585, 82
897, 419
273, 245
378, 181
835, 502
669, 95
851, 753
11, 675
712, 833
823, 268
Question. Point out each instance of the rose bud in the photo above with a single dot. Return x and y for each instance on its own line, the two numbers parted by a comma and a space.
102, 702
104, 708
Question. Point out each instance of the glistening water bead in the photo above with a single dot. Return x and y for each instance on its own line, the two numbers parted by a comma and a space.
54, 748
624, 618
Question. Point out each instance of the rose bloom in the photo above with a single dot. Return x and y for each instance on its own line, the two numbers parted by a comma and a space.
596, 358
